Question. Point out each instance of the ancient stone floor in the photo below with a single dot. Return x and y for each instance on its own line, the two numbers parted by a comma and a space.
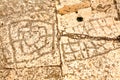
59, 39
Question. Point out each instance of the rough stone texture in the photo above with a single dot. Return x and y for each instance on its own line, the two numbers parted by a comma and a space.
37, 42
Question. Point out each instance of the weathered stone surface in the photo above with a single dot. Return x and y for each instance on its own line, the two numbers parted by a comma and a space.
43, 40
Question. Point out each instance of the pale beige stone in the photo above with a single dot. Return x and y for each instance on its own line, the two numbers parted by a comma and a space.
38, 43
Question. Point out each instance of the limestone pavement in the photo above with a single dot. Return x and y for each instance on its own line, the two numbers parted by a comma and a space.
43, 40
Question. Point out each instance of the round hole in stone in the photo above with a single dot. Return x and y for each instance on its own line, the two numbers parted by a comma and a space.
79, 19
